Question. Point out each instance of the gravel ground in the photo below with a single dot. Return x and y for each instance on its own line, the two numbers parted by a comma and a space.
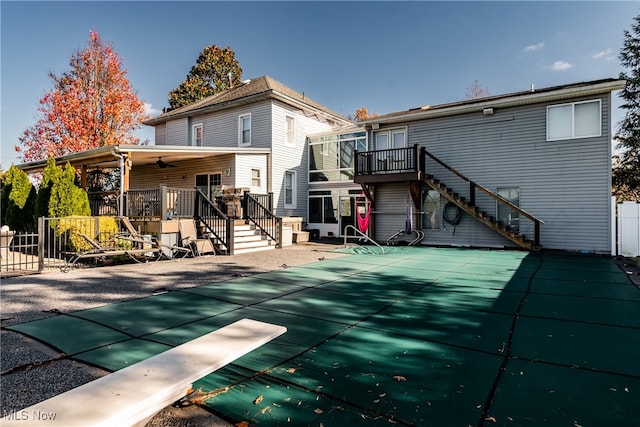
33, 372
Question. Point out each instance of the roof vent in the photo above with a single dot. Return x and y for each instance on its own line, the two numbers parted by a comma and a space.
246, 82
533, 89
425, 107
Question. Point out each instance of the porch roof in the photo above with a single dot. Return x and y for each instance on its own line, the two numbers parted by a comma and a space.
109, 156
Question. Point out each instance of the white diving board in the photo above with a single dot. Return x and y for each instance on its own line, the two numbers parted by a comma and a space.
133, 395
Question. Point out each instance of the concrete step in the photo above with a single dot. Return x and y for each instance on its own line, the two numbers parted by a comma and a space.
259, 245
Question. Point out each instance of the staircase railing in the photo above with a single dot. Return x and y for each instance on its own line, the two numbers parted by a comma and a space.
473, 186
262, 217
216, 223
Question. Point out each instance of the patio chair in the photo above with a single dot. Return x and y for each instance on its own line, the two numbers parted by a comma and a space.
134, 236
189, 237
102, 251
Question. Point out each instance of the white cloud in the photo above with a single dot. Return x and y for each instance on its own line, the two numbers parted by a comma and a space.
533, 47
150, 111
561, 66
604, 54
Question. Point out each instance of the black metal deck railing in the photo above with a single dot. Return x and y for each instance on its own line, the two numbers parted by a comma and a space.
264, 219
389, 161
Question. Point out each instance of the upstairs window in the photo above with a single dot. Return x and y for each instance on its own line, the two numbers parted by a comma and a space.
196, 135
290, 133
575, 120
244, 129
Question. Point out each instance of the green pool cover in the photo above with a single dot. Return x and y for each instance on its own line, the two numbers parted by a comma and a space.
415, 337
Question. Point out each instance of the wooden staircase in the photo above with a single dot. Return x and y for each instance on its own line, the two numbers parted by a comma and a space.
409, 164
483, 217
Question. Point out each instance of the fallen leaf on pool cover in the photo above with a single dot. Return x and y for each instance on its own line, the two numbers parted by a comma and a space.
399, 378
318, 411
242, 424
258, 400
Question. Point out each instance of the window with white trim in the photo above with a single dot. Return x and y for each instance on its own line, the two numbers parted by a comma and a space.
575, 120
509, 217
255, 178
196, 135
290, 189
290, 131
244, 129
387, 139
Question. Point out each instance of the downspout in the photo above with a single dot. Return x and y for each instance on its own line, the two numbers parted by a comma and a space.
121, 165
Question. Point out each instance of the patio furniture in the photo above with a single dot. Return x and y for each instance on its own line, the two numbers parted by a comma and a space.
133, 395
189, 237
100, 251
135, 237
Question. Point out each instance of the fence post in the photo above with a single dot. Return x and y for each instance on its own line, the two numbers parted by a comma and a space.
41, 239
472, 193
245, 205
230, 236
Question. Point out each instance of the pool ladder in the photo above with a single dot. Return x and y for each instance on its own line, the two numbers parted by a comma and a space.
362, 236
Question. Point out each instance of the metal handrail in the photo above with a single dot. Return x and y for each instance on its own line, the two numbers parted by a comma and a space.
263, 218
363, 236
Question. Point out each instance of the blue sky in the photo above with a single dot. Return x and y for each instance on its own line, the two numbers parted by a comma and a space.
386, 56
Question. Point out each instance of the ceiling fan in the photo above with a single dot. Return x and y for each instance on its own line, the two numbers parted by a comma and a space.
162, 164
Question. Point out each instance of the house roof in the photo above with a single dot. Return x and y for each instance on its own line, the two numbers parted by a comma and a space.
532, 96
250, 91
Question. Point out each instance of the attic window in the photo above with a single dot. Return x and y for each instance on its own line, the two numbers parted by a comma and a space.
575, 120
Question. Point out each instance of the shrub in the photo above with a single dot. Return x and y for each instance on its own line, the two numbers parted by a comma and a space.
74, 226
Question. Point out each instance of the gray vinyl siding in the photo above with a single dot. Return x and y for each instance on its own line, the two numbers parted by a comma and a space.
177, 132
391, 212
161, 134
287, 158
565, 183
244, 163
220, 129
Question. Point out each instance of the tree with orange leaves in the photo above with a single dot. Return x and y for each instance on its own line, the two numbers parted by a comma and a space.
363, 114
92, 105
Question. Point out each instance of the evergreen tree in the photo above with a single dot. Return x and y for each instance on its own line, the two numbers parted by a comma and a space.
626, 172
215, 70
50, 175
66, 197
18, 198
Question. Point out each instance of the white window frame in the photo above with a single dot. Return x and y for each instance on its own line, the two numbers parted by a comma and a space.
194, 135
259, 178
390, 138
294, 192
241, 119
573, 120
289, 130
